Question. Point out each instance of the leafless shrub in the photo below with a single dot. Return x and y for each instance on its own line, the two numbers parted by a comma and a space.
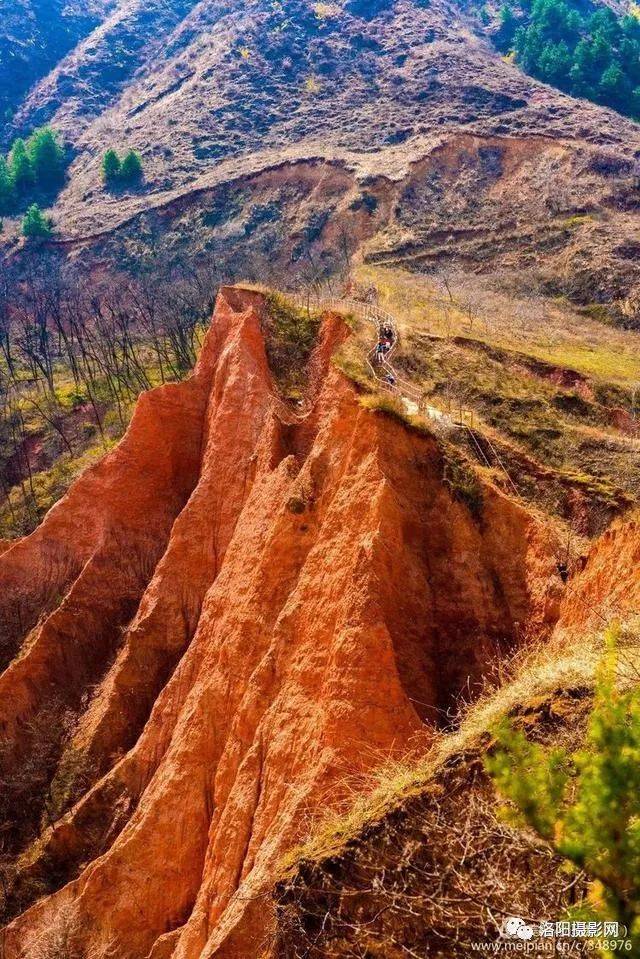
65, 938
431, 878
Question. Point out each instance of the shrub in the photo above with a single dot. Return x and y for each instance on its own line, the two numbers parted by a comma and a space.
290, 336
586, 805
35, 225
111, 167
131, 169
461, 478
7, 188
46, 157
368, 9
508, 27
21, 169
124, 172
75, 774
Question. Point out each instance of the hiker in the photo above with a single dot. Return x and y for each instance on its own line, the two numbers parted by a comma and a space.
390, 379
563, 571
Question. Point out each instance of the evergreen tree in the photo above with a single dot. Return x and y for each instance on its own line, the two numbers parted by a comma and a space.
47, 158
529, 44
508, 26
614, 86
20, 165
593, 55
584, 70
7, 188
586, 805
34, 224
554, 64
629, 59
111, 167
600, 51
131, 169
605, 23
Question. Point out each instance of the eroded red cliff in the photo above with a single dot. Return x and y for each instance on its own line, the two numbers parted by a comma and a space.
607, 586
246, 608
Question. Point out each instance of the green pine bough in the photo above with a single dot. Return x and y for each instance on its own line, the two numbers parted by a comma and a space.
585, 805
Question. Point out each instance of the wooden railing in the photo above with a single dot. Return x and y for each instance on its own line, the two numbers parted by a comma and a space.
388, 379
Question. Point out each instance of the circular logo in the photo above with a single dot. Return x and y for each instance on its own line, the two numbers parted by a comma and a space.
516, 928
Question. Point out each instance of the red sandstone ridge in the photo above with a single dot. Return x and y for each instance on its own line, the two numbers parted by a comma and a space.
265, 604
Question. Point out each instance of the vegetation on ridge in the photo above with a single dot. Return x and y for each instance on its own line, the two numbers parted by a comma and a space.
586, 804
595, 55
32, 167
291, 334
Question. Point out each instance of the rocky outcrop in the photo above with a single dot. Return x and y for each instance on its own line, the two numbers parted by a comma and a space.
606, 586
247, 608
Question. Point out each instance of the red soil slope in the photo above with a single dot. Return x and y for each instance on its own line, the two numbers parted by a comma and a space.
609, 585
265, 604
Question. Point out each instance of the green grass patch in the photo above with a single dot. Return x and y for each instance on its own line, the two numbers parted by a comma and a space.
355, 369
460, 477
596, 311
606, 363
29, 501
573, 222
290, 334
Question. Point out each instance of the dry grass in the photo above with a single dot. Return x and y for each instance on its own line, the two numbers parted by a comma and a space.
433, 881
558, 428
63, 938
534, 673
426, 863
458, 304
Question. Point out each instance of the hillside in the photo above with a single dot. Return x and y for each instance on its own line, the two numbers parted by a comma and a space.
265, 578
465, 155
296, 607
319, 465
35, 36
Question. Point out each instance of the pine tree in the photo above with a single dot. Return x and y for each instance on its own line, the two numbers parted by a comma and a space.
7, 188
131, 169
34, 224
554, 63
20, 165
586, 805
508, 27
111, 167
614, 86
594, 55
47, 158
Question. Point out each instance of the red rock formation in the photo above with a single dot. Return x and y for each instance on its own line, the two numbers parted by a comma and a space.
608, 584
269, 604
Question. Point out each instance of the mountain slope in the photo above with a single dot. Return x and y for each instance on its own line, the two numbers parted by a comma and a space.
449, 151
197, 86
310, 598
34, 37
